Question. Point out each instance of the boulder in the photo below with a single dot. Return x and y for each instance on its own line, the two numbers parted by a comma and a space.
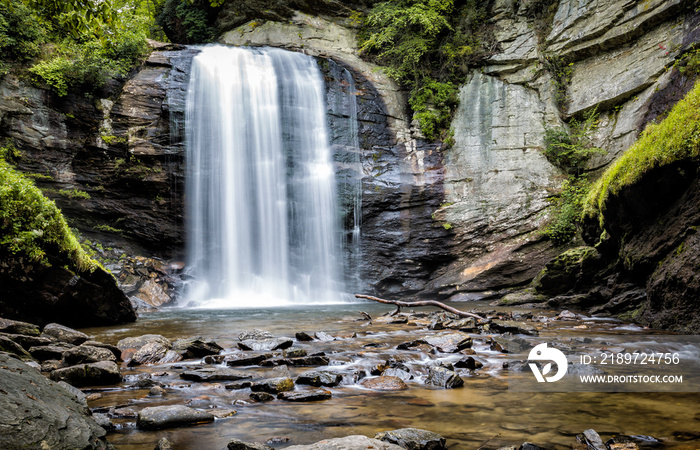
321, 378
28, 341
238, 385
312, 395
17, 327
261, 396
38, 413
214, 374
146, 349
273, 385
265, 345
444, 378
413, 439
9, 346
87, 354
49, 352
95, 374
514, 327
196, 347
246, 359
384, 383
65, 334
171, 416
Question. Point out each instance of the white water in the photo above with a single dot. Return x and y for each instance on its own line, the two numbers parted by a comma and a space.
262, 223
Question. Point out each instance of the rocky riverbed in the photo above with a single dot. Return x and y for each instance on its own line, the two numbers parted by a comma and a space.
212, 379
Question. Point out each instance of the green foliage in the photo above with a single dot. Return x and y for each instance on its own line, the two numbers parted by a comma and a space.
426, 46
676, 138
108, 229
188, 22
568, 210
433, 104
74, 194
9, 152
20, 34
73, 17
561, 77
571, 150
29, 222
689, 62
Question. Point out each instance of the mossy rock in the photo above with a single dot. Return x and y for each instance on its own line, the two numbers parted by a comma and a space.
567, 271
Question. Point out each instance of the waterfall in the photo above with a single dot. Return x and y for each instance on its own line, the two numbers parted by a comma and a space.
262, 222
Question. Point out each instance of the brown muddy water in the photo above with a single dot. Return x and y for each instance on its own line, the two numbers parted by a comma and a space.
483, 414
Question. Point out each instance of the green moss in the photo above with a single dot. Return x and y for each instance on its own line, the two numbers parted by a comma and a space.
74, 194
108, 229
29, 222
676, 138
567, 210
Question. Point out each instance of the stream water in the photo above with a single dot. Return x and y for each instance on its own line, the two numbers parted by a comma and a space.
484, 413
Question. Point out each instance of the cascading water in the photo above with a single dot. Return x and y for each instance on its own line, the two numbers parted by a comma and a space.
262, 220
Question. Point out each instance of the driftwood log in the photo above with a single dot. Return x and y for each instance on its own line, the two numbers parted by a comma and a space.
400, 304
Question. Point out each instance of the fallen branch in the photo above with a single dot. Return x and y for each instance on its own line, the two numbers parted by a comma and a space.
400, 304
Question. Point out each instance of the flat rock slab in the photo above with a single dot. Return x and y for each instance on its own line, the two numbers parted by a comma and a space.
17, 327
172, 416
65, 334
214, 374
413, 439
450, 342
348, 443
246, 359
87, 354
511, 326
384, 383
320, 378
237, 444
196, 347
313, 395
265, 345
38, 413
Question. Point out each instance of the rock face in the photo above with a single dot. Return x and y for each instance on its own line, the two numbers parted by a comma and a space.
38, 413
39, 294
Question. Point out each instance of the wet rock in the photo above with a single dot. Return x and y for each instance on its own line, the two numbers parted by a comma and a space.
87, 354
321, 378
413, 439
398, 319
510, 326
196, 347
451, 342
95, 374
444, 378
164, 444
112, 348
467, 324
509, 344
468, 363
35, 410
9, 346
146, 349
49, 352
261, 396
147, 383
238, 385
531, 446
310, 361
295, 353
312, 395
17, 327
398, 372
64, 334
357, 442
103, 421
156, 391
214, 374
265, 345
522, 297
256, 335
159, 417
236, 444
322, 336
384, 383
213, 359
28, 341
273, 385
274, 362
591, 439
243, 359
303, 337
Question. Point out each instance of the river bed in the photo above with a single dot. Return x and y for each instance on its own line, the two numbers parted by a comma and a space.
485, 413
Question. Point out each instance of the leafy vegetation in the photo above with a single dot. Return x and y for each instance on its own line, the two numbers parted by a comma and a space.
30, 223
20, 35
571, 149
427, 47
74, 194
567, 211
674, 139
188, 22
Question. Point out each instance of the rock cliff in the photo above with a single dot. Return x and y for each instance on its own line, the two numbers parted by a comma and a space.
459, 222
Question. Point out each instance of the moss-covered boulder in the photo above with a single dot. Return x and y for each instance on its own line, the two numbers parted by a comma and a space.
45, 275
568, 271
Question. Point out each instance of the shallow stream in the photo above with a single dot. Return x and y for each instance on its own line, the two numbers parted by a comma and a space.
483, 414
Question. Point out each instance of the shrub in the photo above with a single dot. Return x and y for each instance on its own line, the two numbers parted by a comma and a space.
187, 22
567, 211
571, 150
20, 34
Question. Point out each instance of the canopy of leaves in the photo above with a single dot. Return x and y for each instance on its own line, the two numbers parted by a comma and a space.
20, 35
29, 222
188, 22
